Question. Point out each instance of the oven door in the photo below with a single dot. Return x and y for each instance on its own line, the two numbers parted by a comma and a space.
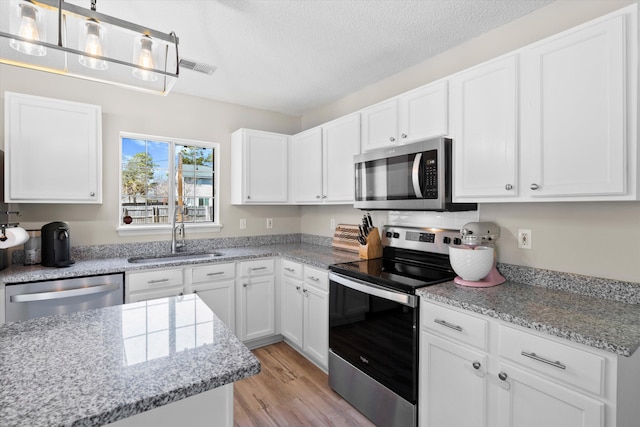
375, 330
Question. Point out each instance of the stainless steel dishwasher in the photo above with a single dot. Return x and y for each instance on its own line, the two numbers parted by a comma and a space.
25, 301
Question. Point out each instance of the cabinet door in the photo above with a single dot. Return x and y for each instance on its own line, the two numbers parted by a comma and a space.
220, 297
259, 167
380, 125
574, 89
316, 324
53, 149
527, 400
291, 310
307, 166
423, 113
257, 307
453, 384
484, 117
341, 141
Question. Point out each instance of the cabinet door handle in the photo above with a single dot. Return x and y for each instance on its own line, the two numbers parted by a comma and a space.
217, 273
503, 376
318, 196
315, 279
392, 139
448, 325
404, 135
534, 186
157, 281
534, 356
194, 291
297, 288
258, 268
306, 293
508, 187
244, 285
476, 365
92, 194
248, 197
290, 269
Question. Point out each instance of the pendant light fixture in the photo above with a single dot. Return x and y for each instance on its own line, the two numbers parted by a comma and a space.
26, 19
92, 41
104, 48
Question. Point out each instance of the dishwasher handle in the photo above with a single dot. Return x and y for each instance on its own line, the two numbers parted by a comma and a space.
69, 293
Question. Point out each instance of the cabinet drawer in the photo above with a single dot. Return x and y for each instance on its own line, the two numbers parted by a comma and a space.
209, 273
562, 362
257, 267
291, 269
317, 278
153, 279
454, 324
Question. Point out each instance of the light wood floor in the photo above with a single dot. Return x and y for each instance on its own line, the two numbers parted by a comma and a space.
290, 391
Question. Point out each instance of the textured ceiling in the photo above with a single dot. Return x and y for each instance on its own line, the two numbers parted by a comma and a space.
293, 56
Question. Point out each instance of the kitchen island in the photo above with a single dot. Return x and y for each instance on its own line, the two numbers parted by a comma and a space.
169, 361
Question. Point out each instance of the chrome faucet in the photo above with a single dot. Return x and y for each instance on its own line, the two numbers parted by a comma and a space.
175, 246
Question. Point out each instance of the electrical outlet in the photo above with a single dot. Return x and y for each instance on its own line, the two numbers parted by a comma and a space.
524, 239
269, 222
243, 223
332, 224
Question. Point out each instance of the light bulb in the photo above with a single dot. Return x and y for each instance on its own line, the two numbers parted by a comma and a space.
92, 33
145, 60
29, 30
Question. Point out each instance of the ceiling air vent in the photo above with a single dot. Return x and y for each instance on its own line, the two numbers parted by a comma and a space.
197, 66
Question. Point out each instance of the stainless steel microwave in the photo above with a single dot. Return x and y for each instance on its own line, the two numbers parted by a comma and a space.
415, 177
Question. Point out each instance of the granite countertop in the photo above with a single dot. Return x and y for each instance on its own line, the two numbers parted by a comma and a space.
315, 255
597, 322
95, 367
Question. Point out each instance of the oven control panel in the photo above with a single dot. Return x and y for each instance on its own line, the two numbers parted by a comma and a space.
420, 239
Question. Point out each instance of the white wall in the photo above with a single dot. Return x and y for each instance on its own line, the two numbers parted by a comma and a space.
597, 239
177, 116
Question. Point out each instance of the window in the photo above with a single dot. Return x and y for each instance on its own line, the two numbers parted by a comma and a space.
159, 175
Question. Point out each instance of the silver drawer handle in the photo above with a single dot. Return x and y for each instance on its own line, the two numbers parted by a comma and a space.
290, 269
158, 281
315, 279
534, 356
217, 273
258, 268
448, 325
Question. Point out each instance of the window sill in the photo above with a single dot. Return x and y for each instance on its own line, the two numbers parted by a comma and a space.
139, 230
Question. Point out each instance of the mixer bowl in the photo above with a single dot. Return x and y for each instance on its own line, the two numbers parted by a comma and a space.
471, 263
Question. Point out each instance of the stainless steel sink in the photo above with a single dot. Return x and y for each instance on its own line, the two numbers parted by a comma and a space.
173, 257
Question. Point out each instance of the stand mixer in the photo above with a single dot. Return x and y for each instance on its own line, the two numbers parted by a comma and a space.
475, 260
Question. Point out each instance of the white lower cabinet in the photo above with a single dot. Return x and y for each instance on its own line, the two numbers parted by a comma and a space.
214, 284
255, 292
454, 384
517, 377
305, 310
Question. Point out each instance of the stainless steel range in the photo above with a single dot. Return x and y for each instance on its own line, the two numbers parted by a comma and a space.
374, 325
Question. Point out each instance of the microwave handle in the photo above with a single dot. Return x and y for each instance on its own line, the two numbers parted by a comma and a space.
415, 175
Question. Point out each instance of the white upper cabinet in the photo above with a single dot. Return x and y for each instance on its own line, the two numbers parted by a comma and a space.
340, 142
323, 162
380, 125
419, 114
258, 167
53, 150
423, 113
307, 166
561, 126
484, 122
573, 122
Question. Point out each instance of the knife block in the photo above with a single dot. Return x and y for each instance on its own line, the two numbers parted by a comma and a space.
373, 248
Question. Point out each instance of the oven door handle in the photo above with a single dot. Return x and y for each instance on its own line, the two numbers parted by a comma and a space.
69, 293
377, 291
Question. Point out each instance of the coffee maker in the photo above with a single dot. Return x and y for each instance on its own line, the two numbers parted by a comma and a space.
56, 245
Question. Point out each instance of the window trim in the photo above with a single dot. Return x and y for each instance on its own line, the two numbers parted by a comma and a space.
148, 229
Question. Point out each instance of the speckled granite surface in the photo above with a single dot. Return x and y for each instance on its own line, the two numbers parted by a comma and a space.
316, 255
605, 324
99, 366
